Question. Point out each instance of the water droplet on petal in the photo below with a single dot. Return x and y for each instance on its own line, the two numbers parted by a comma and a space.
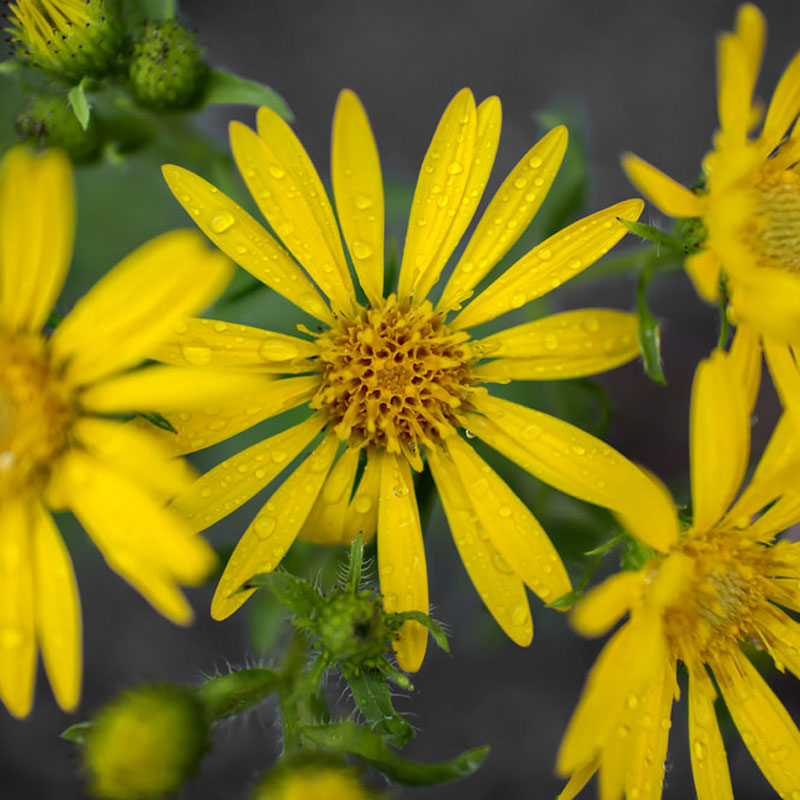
276, 171
362, 249
545, 253
221, 222
277, 350
198, 355
362, 504
277, 456
518, 300
504, 511
264, 526
363, 202
520, 183
455, 168
519, 616
534, 162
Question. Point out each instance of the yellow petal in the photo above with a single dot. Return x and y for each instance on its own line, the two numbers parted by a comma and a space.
440, 188
162, 387
274, 528
208, 342
751, 30
745, 360
782, 635
136, 305
566, 345
712, 779
289, 193
578, 781
325, 523
606, 604
785, 373
37, 222
770, 302
639, 648
719, 434
358, 191
58, 610
494, 579
646, 767
576, 463
232, 483
764, 724
507, 216
401, 558
147, 544
244, 240
17, 599
704, 269
552, 263
199, 425
784, 106
362, 512
661, 190
512, 529
489, 119
141, 457
733, 100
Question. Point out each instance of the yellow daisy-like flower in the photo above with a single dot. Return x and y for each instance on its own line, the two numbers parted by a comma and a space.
313, 782
719, 588
750, 205
397, 377
60, 446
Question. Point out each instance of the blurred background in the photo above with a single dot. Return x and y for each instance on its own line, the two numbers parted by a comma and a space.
630, 76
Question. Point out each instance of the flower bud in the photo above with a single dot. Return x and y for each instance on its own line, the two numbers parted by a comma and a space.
312, 781
167, 68
146, 743
48, 121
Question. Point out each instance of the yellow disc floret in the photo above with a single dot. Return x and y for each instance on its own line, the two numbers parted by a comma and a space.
394, 377
776, 238
36, 410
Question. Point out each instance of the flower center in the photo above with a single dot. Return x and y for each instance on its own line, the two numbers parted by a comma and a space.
35, 412
395, 377
776, 238
726, 583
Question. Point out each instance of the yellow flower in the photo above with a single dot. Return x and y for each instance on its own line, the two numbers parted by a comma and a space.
699, 601
70, 38
394, 378
61, 448
750, 206
313, 782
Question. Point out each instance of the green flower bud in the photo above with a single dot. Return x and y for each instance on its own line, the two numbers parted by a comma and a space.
312, 780
167, 69
67, 38
352, 627
146, 743
48, 121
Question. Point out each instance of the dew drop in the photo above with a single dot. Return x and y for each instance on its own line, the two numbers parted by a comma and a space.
399, 491
778, 755
386, 569
550, 341
362, 504
519, 616
518, 300
455, 168
545, 253
198, 355
205, 492
533, 431
264, 526
632, 701
591, 324
363, 202
219, 327
534, 162
504, 511
469, 434
276, 171
221, 222
277, 350
520, 183
699, 749
277, 456
500, 564
361, 249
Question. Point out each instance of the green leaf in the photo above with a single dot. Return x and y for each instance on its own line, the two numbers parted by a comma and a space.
293, 593
374, 699
141, 10
79, 103
635, 555
348, 737
77, 732
229, 695
154, 418
431, 624
8, 67
649, 334
227, 87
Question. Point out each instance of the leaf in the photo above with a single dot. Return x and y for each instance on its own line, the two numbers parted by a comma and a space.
293, 593
374, 699
227, 87
141, 10
229, 695
348, 737
77, 732
154, 418
79, 103
8, 67
649, 334
431, 624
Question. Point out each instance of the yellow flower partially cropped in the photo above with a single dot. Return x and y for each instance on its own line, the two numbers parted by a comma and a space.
394, 381
313, 782
61, 444
721, 588
750, 206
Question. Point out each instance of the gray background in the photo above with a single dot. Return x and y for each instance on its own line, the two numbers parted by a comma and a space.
645, 72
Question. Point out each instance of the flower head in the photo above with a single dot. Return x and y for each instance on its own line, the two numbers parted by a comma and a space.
395, 380
62, 445
314, 780
69, 38
717, 590
750, 204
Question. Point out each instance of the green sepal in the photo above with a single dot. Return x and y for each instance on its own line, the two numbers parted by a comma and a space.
649, 334
348, 737
80, 104
227, 87
295, 594
77, 732
229, 695
431, 624
635, 555
653, 234
154, 418
354, 564
374, 700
